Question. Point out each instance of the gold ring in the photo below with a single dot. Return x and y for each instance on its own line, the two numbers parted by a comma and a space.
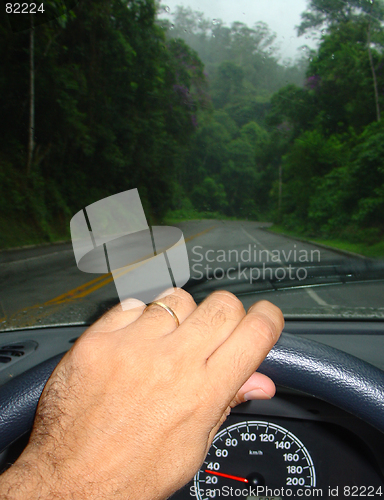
168, 309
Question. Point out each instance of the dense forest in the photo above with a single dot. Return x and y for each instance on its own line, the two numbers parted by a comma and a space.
203, 118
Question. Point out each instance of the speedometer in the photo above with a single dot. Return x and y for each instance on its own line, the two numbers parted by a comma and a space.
254, 460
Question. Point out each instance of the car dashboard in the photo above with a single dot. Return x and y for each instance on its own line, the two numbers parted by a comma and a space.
293, 446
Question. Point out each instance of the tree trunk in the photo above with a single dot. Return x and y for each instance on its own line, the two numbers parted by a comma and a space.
378, 113
31, 129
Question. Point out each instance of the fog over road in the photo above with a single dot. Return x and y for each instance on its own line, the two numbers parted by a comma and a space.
43, 286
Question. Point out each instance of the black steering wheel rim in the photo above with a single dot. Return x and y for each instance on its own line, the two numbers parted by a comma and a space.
316, 369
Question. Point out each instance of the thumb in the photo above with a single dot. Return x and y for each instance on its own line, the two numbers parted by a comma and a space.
257, 387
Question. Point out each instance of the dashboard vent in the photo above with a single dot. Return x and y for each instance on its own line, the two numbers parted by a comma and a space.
11, 353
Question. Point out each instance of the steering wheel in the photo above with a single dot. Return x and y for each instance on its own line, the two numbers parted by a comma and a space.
316, 369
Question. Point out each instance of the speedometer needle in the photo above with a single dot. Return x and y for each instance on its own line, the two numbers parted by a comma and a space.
241, 479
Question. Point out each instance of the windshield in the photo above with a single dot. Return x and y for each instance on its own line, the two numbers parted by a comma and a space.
255, 128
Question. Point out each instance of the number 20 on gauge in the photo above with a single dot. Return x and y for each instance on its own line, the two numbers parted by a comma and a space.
253, 454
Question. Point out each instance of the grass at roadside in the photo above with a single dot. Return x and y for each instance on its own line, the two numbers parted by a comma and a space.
176, 216
16, 233
375, 250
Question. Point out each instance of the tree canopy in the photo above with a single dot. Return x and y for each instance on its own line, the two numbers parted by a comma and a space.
201, 117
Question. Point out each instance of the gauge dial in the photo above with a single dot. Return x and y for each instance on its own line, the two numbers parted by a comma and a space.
253, 460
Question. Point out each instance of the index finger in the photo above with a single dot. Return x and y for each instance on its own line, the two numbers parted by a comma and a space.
245, 349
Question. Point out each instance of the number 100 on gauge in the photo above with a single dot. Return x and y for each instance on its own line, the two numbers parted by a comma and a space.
254, 456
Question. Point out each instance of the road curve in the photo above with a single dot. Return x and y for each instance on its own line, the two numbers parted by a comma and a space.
46, 288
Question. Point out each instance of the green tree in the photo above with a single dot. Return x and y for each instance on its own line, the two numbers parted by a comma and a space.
207, 155
321, 14
367, 178
115, 104
341, 80
210, 196
311, 157
227, 83
240, 178
349, 199
255, 135
368, 14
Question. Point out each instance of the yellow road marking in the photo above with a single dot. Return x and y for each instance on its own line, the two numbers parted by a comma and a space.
75, 292
86, 289
93, 285
190, 238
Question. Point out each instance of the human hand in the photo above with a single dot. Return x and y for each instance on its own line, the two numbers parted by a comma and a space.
133, 407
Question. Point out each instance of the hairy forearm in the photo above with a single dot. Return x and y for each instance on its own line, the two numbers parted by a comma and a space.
23, 481
131, 410
35, 477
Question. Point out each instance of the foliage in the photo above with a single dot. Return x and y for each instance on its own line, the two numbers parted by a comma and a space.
201, 117
249, 50
209, 196
331, 144
359, 247
321, 14
115, 104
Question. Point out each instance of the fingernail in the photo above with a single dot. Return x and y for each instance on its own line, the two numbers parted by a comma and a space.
256, 394
129, 304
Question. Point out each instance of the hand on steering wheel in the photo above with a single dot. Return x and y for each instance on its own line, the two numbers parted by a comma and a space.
133, 407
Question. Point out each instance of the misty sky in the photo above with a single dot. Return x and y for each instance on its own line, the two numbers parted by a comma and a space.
281, 16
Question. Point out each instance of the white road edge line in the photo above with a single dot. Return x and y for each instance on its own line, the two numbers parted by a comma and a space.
314, 296
261, 245
29, 259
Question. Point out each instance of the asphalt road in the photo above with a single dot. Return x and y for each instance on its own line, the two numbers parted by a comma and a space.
43, 286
